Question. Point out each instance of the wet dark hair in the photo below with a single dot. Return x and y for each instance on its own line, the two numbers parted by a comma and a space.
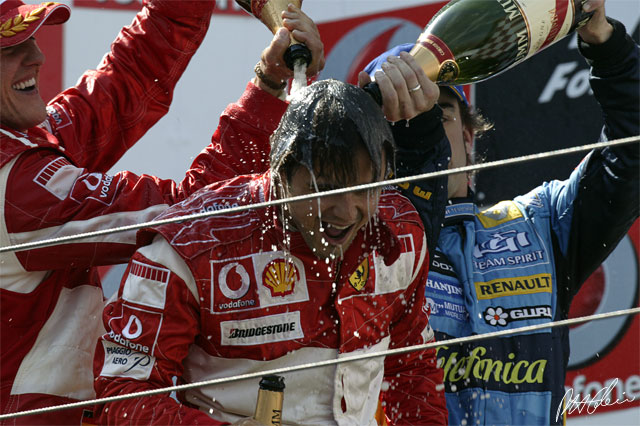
473, 119
323, 128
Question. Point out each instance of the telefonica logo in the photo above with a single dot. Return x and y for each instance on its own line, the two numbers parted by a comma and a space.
483, 368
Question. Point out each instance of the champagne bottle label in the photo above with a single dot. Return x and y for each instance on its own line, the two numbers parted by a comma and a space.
472, 40
547, 20
429, 46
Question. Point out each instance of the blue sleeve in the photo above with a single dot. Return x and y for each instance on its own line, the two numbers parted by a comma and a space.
594, 208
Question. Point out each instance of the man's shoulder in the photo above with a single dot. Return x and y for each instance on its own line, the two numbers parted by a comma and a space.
14, 142
394, 207
213, 216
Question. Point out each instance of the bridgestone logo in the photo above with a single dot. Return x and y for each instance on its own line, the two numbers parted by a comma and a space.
255, 331
261, 331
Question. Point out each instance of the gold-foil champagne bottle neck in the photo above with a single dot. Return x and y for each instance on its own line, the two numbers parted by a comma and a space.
270, 399
269, 12
427, 61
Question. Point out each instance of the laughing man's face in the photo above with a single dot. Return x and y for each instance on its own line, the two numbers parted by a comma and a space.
21, 106
330, 224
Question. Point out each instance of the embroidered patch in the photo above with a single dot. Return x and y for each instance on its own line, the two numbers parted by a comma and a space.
257, 331
359, 278
280, 277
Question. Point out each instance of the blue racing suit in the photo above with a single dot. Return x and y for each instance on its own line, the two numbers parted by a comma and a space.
520, 263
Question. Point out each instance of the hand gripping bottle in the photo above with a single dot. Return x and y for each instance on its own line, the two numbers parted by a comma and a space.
469, 41
269, 13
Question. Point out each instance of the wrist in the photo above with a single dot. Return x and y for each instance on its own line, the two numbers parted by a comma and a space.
598, 35
266, 83
608, 55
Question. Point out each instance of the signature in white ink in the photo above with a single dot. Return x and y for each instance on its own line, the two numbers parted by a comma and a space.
602, 398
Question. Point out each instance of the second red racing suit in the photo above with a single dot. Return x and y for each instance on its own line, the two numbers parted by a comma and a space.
53, 183
239, 293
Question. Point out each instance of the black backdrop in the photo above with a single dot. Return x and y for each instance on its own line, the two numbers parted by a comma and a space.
540, 105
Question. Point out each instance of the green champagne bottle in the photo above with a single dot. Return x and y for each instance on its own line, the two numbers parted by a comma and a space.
469, 41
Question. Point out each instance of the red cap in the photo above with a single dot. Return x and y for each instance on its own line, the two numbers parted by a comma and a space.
19, 21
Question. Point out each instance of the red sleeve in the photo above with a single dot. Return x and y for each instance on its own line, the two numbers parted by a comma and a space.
415, 393
148, 336
112, 107
240, 144
48, 197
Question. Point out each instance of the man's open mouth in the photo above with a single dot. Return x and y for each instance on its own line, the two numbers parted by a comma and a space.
25, 86
335, 234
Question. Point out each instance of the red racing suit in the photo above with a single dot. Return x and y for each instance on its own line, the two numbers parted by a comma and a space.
226, 295
53, 183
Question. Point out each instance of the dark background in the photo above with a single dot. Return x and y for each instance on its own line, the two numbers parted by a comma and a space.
526, 125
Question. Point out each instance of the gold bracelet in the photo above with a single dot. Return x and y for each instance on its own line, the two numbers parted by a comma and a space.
266, 80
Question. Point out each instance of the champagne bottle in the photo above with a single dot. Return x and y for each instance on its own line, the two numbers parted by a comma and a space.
269, 13
270, 397
469, 41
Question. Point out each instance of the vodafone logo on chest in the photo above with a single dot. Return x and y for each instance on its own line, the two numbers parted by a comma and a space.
256, 281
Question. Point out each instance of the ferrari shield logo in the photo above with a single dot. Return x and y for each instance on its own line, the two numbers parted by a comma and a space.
359, 278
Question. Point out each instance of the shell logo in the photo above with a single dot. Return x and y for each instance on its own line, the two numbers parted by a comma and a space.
280, 277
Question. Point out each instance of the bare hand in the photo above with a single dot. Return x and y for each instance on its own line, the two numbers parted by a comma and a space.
597, 30
299, 26
406, 90
304, 30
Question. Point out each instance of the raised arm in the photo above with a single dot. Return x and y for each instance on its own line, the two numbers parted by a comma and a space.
240, 144
148, 334
112, 107
422, 145
604, 187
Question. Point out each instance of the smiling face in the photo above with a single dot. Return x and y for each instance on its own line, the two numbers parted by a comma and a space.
21, 105
330, 224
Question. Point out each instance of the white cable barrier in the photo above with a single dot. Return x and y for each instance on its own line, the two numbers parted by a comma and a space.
282, 370
390, 352
483, 166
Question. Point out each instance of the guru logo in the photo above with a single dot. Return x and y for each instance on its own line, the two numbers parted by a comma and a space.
503, 316
280, 277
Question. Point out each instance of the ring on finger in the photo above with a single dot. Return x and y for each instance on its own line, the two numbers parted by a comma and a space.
415, 89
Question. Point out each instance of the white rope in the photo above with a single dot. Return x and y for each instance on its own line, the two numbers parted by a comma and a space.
352, 358
483, 166
390, 352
